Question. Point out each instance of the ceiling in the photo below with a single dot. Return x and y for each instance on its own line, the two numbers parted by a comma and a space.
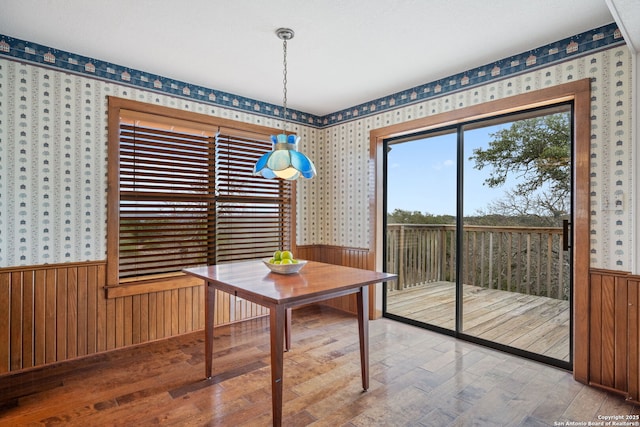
345, 52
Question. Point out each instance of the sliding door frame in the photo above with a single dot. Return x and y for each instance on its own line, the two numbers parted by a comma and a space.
579, 93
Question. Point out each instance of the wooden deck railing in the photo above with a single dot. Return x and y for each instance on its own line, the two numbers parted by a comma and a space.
528, 260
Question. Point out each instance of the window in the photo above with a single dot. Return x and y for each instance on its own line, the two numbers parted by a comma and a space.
167, 206
253, 214
182, 194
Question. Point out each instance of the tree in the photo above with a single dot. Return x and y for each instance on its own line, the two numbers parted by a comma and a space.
537, 150
400, 216
536, 210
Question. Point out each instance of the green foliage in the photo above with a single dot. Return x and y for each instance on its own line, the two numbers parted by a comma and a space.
499, 220
537, 150
400, 216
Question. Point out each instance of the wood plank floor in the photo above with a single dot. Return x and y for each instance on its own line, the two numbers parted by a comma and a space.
418, 378
536, 324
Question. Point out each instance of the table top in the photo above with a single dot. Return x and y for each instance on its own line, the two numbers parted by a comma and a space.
254, 281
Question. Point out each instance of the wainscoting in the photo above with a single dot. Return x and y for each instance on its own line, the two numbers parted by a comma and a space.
58, 312
53, 313
614, 332
349, 257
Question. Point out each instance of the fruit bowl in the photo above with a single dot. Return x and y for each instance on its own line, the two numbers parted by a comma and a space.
284, 268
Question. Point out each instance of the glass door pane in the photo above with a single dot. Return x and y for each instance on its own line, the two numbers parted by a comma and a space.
421, 204
516, 273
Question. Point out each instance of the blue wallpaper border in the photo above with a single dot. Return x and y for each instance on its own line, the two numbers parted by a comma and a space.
560, 51
578, 45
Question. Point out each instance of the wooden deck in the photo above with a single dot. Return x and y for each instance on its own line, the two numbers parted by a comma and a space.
536, 324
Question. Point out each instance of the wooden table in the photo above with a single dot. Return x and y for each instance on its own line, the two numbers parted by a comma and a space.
317, 281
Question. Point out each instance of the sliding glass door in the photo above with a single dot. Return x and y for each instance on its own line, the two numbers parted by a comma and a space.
421, 228
477, 228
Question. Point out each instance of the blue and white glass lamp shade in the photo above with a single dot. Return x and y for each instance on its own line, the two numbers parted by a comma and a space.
284, 161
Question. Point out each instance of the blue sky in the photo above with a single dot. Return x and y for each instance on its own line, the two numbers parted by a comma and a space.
422, 175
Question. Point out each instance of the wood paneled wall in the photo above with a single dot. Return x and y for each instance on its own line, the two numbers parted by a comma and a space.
349, 257
54, 313
614, 332
633, 301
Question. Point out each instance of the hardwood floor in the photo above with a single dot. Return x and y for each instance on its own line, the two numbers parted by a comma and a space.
536, 324
418, 378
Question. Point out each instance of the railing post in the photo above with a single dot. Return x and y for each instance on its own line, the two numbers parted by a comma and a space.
422, 253
560, 271
401, 269
549, 263
490, 260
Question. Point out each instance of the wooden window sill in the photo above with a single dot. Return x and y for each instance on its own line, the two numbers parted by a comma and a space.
157, 284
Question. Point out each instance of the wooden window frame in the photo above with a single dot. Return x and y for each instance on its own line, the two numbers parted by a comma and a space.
116, 287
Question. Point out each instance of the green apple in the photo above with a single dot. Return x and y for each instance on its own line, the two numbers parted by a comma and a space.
287, 255
286, 261
294, 261
272, 260
277, 262
277, 255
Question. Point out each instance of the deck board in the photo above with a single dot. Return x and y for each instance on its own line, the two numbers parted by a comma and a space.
536, 324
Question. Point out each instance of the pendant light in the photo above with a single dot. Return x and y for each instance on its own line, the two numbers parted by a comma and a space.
284, 161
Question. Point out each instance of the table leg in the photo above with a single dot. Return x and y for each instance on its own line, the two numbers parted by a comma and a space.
363, 332
287, 330
277, 321
210, 302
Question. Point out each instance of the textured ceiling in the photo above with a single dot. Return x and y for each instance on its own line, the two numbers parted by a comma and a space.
344, 52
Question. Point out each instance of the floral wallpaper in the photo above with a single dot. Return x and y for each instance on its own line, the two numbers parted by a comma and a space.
343, 188
53, 151
53, 146
52, 167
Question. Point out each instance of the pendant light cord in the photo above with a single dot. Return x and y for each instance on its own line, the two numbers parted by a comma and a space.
284, 84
